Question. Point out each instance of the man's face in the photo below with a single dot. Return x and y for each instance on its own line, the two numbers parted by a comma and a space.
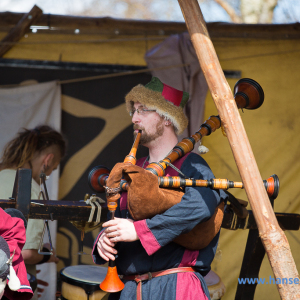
150, 122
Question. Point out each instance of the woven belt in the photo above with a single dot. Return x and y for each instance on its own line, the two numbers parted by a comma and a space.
148, 276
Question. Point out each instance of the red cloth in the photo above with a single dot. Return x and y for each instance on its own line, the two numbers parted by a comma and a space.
13, 231
172, 95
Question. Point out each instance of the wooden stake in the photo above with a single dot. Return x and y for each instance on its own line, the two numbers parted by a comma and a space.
20, 29
273, 238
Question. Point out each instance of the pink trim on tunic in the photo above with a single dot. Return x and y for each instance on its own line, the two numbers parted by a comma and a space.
147, 238
188, 284
189, 287
189, 258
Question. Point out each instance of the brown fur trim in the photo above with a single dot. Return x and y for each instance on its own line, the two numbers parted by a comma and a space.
155, 100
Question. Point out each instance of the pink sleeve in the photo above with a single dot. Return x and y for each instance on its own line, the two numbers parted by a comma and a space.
146, 237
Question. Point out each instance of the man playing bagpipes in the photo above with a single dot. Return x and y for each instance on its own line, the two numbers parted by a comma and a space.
153, 265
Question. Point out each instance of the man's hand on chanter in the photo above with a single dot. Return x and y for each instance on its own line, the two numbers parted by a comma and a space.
120, 230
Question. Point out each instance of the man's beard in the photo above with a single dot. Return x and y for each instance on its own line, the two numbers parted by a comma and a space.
146, 137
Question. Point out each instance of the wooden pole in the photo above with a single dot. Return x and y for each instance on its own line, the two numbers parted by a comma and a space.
20, 29
273, 238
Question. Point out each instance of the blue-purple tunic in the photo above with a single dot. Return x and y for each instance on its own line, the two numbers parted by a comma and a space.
155, 250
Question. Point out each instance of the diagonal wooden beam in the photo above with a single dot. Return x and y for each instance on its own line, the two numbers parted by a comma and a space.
273, 238
19, 30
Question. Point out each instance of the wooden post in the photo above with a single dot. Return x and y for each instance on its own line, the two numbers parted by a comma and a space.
19, 30
273, 238
22, 191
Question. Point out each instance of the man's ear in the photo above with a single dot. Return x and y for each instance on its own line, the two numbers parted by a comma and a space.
48, 160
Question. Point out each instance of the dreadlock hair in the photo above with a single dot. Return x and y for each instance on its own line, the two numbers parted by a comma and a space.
21, 150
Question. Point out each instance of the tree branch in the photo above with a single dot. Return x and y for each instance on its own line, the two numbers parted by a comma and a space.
230, 11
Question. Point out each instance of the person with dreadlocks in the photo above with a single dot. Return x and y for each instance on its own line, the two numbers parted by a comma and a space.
41, 150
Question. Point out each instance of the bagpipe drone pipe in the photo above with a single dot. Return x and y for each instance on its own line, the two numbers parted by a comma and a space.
164, 192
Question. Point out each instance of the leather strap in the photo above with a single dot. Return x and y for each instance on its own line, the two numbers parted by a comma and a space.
148, 276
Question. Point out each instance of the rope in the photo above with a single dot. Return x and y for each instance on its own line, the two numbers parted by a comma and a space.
260, 55
149, 70
107, 75
119, 74
92, 201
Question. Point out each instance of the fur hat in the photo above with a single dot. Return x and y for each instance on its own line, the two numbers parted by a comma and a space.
166, 100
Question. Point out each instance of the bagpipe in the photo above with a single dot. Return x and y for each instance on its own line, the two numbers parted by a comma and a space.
151, 193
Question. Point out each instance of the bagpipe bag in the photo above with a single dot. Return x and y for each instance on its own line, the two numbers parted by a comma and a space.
146, 199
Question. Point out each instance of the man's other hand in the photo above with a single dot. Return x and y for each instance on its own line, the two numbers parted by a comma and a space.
105, 247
